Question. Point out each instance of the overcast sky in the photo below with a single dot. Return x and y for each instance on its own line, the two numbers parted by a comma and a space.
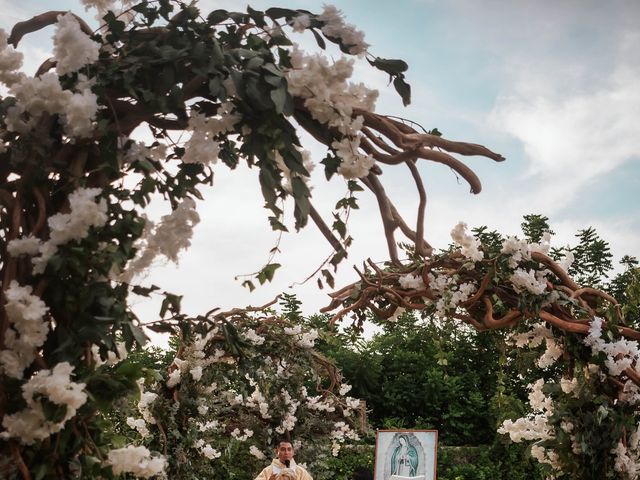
553, 86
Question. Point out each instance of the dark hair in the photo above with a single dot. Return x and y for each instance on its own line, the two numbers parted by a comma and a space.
283, 439
362, 473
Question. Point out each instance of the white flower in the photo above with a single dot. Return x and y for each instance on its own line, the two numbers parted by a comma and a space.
72, 48
44, 94
27, 330
293, 330
253, 337
30, 425
256, 452
534, 427
566, 261
336, 27
621, 354
344, 389
470, 245
174, 378
65, 227
411, 282
210, 452
568, 385
529, 280
80, 111
353, 164
202, 146
172, 234
300, 23
242, 436
146, 399
10, 61
537, 399
196, 373
552, 353
203, 409
307, 340
331, 99
138, 424
136, 460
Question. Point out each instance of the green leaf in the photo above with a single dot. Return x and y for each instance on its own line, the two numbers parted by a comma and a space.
268, 186
276, 13
331, 164
277, 225
266, 274
257, 17
403, 88
249, 284
170, 303
391, 66
328, 277
279, 97
319, 40
354, 186
339, 226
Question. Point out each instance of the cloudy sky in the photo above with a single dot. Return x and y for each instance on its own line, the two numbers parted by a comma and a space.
553, 86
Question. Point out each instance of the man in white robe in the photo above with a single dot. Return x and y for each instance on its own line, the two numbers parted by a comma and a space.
284, 464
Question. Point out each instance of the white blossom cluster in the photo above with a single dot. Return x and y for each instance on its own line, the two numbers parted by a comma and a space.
256, 452
242, 436
527, 279
84, 213
137, 460
207, 450
139, 425
453, 297
627, 457
304, 339
534, 426
336, 27
172, 234
546, 455
300, 23
331, 99
202, 146
253, 337
10, 61
470, 244
533, 281
621, 354
44, 94
72, 48
257, 401
27, 330
289, 420
121, 8
411, 282
31, 425
538, 334
113, 358
341, 431
320, 403
521, 250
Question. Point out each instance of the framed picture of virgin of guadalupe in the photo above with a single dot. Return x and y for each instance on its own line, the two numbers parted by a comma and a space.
406, 454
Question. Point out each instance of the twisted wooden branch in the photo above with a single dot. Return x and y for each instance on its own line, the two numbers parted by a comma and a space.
39, 22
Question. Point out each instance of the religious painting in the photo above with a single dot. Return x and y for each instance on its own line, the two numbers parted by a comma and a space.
406, 454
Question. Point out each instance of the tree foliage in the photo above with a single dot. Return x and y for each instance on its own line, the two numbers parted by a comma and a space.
231, 88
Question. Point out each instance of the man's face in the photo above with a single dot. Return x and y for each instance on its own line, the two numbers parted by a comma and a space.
284, 451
